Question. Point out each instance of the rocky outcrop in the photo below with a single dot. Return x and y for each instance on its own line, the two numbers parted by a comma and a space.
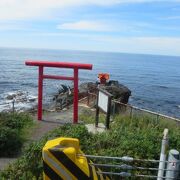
120, 92
65, 95
84, 88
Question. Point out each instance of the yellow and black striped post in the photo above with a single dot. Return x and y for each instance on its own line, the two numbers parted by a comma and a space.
60, 161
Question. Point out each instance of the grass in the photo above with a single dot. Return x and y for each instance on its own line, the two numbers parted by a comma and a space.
88, 116
138, 137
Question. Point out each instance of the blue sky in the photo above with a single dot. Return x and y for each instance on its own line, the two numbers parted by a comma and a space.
132, 26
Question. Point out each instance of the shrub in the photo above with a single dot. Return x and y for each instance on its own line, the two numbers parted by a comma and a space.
12, 132
29, 166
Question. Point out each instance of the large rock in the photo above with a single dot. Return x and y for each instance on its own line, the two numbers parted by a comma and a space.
84, 88
120, 92
64, 96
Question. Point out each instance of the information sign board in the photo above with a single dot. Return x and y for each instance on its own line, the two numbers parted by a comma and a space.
104, 104
103, 101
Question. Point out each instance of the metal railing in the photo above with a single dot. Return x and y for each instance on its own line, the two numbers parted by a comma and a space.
134, 108
117, 108
117, 167
12, 106
91, 99
121, 108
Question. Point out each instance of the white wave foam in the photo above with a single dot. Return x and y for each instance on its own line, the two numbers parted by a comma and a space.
23, 101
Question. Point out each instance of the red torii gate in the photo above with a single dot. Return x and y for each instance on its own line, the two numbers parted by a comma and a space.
75, 66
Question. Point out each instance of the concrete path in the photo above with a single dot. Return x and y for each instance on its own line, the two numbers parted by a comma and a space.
52, 120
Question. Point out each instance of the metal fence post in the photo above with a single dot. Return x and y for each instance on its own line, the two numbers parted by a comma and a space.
88, 98
157, 119
108, 113
114, 109
97, 112
13, 105
164, 147
61, 105
173, 166
131, 112
67, 103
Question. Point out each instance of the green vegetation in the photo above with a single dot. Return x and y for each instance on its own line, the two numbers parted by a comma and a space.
88, 116
29, 166
137, 137
12, 132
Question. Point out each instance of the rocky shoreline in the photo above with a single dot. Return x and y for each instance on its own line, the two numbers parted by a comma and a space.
19, 101
22, 101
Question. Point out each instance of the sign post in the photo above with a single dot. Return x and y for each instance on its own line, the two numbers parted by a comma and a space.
103, 104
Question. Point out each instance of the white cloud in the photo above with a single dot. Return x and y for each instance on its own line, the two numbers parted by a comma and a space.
173, 18
121, 26
146, 45
142, 45
5, 26
84, 25
21, 9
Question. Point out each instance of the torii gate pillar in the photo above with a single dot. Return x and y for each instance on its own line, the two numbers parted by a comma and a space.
75, 66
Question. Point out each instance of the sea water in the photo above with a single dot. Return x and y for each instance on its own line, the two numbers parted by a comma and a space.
153, 79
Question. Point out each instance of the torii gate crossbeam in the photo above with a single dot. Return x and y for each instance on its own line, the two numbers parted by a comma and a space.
75, 66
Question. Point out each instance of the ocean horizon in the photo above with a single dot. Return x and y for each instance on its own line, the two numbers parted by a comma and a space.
153, 79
